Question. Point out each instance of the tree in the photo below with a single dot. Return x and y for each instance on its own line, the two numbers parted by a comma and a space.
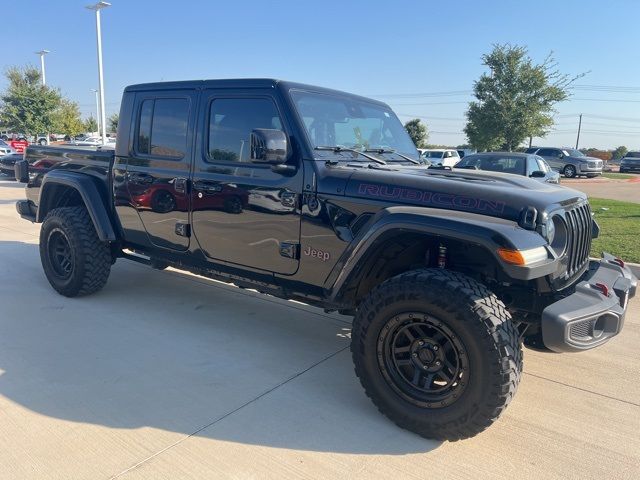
27, 106
113, 122
67, 119
515, 99
619, 152
90, 124
418, 132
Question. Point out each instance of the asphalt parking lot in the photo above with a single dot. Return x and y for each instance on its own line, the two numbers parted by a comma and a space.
166, 375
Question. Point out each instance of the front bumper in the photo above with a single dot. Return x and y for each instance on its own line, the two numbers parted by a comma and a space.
588, 317
585, 169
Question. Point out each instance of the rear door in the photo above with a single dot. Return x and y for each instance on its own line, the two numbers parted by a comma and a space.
552, 156
244, 213
159, 163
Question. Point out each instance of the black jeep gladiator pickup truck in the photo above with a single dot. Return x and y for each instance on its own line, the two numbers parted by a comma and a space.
317, 195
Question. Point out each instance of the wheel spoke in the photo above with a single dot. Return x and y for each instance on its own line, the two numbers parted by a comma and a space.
403, 362
416, 377
407, 333
429, 380
402, 349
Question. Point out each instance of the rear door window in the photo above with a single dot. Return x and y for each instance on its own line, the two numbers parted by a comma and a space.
162, 127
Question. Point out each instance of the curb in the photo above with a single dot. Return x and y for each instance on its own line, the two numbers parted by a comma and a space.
635, 268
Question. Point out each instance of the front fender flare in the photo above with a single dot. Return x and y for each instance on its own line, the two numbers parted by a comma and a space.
88, 191
487, 232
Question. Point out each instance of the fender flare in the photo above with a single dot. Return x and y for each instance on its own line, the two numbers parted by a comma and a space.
91, 197
489, 233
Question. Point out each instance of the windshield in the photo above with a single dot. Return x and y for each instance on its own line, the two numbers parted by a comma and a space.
632, 155
332, 120
433, 154
571, 152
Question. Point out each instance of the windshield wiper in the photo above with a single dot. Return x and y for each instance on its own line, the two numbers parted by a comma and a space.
389, 150
338, 149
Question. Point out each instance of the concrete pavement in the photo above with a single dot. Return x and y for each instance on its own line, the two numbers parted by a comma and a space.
602, 187
166, 375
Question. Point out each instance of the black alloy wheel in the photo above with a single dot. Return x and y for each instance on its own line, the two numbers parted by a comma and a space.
423, 360
59, 251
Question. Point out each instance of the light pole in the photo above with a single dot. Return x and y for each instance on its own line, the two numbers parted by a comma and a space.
97, 7
97, 108
42, 53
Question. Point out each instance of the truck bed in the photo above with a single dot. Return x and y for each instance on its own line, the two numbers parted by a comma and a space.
94, 161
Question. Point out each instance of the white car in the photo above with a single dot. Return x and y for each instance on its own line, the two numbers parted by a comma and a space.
440, 157
5, 148
93, 141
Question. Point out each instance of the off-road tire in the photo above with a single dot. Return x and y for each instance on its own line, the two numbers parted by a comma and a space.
479, 321
90, 258
570, 171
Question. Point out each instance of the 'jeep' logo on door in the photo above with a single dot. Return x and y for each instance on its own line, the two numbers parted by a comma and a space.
312, 252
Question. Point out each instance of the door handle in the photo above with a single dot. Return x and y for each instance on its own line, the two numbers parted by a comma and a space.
180, 185
140, 178
207, 187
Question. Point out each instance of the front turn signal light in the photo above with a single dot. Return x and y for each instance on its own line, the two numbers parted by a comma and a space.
523, 257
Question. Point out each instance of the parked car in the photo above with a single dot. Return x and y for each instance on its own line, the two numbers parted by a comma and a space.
630, 162
7, 164
5, 148
93, 142
569, 161
528, 165
446, 272
440, 157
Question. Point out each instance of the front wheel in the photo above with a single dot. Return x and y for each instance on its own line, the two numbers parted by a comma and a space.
74, 259
570, 171
437, 353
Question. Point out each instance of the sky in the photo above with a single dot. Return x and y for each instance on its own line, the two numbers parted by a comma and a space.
421, 57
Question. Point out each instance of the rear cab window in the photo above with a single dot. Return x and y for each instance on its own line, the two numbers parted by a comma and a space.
162, 127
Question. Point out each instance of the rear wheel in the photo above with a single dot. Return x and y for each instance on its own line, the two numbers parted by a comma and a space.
74, 259
569, 171
437, 353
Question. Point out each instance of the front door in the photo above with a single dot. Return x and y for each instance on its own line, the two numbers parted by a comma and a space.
244, 213
158, 168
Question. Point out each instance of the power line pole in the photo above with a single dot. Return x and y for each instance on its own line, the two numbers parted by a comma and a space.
579, 127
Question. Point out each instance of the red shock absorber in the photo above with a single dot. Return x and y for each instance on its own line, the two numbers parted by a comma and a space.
442, 256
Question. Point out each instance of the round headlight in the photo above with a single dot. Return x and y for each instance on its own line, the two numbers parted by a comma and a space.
550, 231
557, 234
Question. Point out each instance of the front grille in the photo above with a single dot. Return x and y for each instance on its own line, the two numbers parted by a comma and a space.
579, 237
581, 330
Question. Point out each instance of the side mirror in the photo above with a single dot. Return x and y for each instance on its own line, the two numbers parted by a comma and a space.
269, 146
561, 155
538, 174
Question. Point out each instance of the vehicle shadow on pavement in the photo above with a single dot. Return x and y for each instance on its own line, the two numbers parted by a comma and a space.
171, 351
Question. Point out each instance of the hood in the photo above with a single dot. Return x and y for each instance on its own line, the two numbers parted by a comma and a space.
486, 193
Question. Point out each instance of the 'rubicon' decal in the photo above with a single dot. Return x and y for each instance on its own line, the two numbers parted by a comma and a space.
431, 198
312, 252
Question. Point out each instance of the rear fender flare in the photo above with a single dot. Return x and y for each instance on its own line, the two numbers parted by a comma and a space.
88, 191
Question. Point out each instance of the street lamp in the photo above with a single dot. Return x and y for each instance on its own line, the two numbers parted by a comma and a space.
42, 53
97, 108
97, 7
